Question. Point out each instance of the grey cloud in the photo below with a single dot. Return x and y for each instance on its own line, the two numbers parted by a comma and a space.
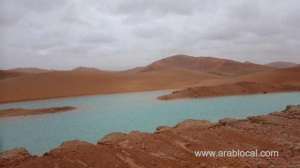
151, 31
98, 38
7, 15
158, 7
41, 5
99, 33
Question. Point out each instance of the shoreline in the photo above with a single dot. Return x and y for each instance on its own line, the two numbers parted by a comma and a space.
229, 95
83, 95
67, 84
163, 97
16, 112
169, 146
233, 89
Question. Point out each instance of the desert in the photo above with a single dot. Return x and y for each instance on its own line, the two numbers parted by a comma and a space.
174, 72
149, 84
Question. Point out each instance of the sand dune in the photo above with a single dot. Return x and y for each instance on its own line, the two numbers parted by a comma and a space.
223, 67
282, 64
279, 80
17, 72
239, 88
76, 83
4, 74
175, 72
29, 70
288, 75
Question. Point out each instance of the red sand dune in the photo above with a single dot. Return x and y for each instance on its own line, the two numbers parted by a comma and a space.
207, 64
76, 83
282, 64
17, 72
239, 88
278, 80
288, 75
4, 74
174, 72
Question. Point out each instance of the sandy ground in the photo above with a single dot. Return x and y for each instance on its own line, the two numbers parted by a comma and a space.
176, 72
175, 146
239, 88
279, 80
26, 112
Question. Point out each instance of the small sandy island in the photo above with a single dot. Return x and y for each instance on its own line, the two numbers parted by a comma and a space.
25, 112
239, 88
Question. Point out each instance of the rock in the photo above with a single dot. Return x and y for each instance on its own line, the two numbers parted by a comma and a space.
203, 165
292, 108
193, 123
171, 148
227, 121
112, 137
17, 153
262, 164
14, 156
162, 128
70, 146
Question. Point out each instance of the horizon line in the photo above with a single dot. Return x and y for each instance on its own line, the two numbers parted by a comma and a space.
139, 66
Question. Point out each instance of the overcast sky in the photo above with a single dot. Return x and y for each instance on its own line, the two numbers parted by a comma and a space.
120, 34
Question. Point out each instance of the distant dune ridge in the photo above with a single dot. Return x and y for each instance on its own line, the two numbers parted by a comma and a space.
175, 72
29, 70
282, 64
20, 72
218, 66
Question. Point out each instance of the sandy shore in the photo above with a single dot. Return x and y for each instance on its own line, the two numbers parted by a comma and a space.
239, 88
25, 112
175, 146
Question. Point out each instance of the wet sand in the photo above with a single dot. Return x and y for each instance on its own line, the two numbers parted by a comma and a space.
13, 112
240, 88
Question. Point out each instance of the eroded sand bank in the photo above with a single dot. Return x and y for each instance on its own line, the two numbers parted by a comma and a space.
25, 112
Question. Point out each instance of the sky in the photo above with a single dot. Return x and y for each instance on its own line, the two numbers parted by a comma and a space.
122, 34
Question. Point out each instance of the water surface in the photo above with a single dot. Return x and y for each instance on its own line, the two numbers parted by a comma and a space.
97, 116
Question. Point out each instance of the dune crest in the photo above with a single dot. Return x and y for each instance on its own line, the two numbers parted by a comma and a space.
175, 72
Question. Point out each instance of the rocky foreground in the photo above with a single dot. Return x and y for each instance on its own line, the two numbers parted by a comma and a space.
174, 147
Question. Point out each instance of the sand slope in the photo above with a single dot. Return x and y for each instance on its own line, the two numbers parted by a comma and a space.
288, 75
175, 72
239, 88
282, 64
279, 80
211, 65
75, 83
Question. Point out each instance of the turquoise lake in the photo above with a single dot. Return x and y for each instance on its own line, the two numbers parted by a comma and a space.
97, 116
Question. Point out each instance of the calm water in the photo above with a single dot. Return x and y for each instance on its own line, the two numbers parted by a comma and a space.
97, 116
